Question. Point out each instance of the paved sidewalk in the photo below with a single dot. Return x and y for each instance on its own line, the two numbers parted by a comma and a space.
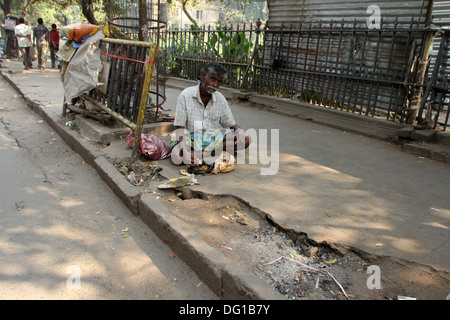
331, 184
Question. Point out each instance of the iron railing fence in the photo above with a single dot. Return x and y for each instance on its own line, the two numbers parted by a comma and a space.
355, 69
337, 65
189, 50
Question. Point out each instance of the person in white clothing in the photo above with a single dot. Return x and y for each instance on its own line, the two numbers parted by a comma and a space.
23, 34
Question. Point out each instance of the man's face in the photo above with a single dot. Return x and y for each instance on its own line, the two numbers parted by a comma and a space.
211, 82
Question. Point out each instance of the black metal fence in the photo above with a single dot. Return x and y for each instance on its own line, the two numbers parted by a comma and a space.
234, 46
373, 72
344, 67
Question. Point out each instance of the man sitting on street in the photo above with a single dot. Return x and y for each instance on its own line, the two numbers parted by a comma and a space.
204, 123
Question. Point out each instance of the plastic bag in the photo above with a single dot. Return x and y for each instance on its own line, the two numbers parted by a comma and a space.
150, 146
225, 163
202, 170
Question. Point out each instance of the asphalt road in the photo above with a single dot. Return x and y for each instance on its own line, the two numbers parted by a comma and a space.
63, 233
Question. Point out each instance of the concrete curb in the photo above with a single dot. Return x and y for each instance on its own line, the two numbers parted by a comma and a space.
227, 280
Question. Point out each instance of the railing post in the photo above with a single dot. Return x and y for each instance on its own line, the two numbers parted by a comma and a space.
143, 101
422, 69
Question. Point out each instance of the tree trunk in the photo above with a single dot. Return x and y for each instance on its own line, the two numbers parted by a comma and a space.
188, 15
88, 11
6, 6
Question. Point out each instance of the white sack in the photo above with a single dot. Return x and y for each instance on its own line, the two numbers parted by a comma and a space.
82, 72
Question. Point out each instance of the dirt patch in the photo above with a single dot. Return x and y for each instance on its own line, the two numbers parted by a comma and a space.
296, 266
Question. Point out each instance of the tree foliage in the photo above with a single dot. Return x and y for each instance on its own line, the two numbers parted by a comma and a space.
189, 4
54, 10
185, 5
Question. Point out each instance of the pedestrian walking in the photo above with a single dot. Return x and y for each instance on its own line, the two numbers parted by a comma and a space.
11, 49
40, 40
23, 34
54, 44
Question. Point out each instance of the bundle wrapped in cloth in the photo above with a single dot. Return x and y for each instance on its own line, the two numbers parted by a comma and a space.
76, 32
